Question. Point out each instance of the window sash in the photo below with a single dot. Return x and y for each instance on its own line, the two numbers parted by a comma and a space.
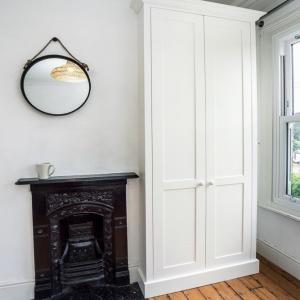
287, 78
287, 153
284, 155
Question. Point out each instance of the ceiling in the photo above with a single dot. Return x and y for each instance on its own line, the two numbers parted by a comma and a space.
263, 5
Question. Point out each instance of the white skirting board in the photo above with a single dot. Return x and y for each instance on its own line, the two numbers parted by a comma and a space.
279, 258
133, 273
189, 281
17, 291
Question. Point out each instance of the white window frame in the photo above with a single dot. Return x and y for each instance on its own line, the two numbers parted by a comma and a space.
283, 93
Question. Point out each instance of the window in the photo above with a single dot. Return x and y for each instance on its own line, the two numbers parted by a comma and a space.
291, 112
287, 123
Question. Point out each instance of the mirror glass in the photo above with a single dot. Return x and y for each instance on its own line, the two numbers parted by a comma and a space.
55, 85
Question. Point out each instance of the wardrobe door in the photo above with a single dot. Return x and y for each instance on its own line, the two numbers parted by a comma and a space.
178, 116
229, 141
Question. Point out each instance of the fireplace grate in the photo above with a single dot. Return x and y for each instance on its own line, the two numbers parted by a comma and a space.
82, 261
83, 272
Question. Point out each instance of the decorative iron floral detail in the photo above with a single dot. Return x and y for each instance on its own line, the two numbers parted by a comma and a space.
60, 200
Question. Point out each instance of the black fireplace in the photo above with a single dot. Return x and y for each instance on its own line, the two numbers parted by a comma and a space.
80, 235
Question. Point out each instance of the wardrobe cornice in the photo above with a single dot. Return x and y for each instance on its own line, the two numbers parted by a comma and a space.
201, 7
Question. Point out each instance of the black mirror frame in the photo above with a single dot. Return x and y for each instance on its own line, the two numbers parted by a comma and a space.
28, 67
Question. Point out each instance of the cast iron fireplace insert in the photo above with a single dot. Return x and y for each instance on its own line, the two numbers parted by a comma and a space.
80, 234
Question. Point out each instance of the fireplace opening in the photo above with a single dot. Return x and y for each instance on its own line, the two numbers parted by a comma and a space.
82, 250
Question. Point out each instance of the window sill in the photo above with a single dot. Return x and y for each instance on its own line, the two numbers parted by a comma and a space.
280, 210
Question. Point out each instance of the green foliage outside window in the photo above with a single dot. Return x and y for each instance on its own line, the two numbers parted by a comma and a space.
296, 185
296, 137
295, 176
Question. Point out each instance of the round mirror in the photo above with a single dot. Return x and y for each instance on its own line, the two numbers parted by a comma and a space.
55, 85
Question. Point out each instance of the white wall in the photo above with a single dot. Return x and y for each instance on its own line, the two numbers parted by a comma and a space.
102, 137
278, 234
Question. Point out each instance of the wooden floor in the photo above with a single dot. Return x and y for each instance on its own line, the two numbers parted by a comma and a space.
270, 284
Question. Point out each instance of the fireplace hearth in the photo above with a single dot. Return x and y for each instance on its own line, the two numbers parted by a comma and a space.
80, 237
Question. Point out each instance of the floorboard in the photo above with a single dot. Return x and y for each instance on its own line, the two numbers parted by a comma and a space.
272, 283
194, 294
242, 290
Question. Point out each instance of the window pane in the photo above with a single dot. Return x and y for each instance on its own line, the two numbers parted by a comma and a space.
296, 77
294, 160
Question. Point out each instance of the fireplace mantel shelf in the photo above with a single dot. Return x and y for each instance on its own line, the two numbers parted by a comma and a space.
77, 179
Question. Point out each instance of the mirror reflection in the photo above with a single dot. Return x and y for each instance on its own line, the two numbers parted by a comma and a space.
55, 85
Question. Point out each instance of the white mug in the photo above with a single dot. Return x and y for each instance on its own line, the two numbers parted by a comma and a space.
45, 170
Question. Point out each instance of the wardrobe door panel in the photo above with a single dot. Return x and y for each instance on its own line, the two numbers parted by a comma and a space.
179, 220
228, 141
178, 111
229, 223
178, 123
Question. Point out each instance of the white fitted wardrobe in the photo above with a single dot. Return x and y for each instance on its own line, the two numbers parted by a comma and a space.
198, 132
